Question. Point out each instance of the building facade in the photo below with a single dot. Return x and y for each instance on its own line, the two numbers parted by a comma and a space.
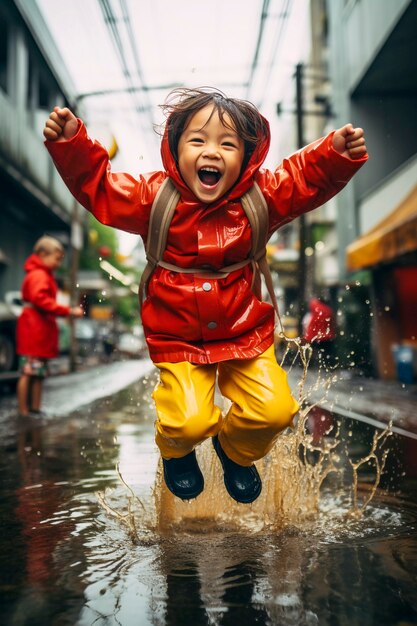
373, 58
33, 199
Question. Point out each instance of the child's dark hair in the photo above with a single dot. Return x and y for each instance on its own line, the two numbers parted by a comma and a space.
181, 104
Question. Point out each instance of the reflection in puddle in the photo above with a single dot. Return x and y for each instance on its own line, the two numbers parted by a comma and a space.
296, 577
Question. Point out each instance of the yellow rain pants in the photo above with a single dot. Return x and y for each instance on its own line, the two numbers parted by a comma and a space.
262, 406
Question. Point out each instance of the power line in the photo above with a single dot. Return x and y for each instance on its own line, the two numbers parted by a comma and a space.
284, 14
280, 33
254, 65
111, 24
138, 66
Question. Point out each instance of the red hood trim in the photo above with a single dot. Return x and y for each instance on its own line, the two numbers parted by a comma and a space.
243, 184
34, 262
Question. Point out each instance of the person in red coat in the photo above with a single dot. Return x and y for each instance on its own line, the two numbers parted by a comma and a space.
320, 330
37, 330
205, 327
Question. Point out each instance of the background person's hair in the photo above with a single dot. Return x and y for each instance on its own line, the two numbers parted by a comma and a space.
181, 104
47, 245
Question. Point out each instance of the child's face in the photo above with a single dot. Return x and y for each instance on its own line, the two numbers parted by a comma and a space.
52, 259
210, 155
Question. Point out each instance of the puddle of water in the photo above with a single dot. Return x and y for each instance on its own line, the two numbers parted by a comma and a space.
309, 486
293, 475
137, 555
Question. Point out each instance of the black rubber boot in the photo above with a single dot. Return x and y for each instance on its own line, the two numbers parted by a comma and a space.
242, 483
183, 477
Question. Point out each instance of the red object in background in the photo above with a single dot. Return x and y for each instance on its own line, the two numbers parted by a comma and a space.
319, 423
320, 324
406, 291
104, 251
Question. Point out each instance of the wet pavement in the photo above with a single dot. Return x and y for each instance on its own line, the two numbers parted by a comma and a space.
349, 393
91, 536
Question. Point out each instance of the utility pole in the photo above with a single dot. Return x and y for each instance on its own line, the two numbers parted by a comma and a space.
300, 113
302, 229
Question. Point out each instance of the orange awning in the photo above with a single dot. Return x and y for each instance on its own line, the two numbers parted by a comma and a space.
393, 236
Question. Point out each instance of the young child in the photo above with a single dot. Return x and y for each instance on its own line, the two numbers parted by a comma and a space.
199, 326
37, 330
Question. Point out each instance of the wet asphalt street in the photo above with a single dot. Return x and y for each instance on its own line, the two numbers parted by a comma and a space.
90, 534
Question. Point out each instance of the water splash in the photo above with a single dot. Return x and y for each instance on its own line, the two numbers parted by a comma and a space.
294, 476
134, 510
379, 439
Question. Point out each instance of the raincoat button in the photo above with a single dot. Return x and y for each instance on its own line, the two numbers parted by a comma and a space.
212, 325
207, 286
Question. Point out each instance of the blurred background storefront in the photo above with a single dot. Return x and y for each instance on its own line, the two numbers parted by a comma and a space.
375, 81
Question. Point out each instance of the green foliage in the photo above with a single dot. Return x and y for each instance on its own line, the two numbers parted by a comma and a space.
101, 238
127, 309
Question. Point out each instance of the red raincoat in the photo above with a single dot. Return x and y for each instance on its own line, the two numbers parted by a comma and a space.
37, 330
320, 323
185, 317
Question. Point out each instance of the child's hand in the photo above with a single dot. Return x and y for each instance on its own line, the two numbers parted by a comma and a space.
76, 311
350, 142
60, 125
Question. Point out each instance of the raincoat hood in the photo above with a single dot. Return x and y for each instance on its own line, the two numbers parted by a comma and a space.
34, 262
244, 182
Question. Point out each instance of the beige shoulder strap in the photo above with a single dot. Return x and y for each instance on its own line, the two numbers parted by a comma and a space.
256, 209
163, 208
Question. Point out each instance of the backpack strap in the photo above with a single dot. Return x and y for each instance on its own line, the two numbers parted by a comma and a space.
163, 208
256, 209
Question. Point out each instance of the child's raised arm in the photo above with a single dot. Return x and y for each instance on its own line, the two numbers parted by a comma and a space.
350, 142
61, 125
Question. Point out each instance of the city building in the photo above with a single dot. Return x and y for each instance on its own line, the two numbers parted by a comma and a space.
33, 199
373, 57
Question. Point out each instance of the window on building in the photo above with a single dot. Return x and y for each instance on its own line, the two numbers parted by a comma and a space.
30, 85
44, 95
4, 45
39, 91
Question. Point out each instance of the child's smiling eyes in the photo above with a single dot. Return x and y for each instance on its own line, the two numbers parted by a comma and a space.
200, 141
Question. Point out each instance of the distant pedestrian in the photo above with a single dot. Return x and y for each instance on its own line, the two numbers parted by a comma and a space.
37, 330
203, 316
319, 329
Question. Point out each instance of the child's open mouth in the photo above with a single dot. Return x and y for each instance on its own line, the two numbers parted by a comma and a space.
209, 176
